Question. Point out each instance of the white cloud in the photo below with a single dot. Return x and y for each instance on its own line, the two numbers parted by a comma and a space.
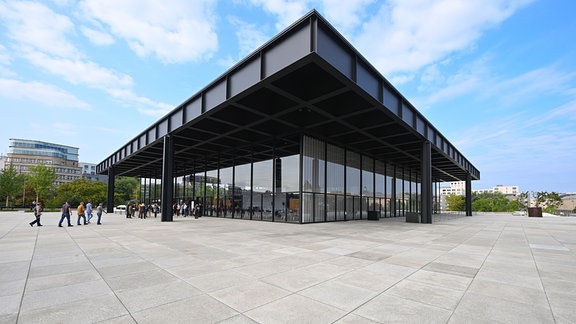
250, 36
346, 15
177, 32
35, 26
534, 83
286, 12
97, 37
406, 35
81, 72
39, 92
142, 104
5, 57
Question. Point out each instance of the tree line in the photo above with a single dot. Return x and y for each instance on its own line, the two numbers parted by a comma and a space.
497, 202
19, 190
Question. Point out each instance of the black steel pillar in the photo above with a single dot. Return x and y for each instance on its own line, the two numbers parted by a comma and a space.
468, 194
426, 170
167, 179
110, 200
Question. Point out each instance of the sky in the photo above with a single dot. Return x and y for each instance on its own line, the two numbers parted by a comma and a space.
497, 78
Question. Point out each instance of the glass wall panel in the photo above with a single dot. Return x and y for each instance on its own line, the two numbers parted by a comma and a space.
335, 170
226, 192
319, 209
367, 186
331, 207
340, 211
353, 173
262, 190
199, 190
287, 188
212, 184
399, 193
242, 191
307, 208
313, 165
380, 185
353, 205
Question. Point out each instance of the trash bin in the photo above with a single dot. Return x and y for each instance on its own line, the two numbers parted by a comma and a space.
534, 211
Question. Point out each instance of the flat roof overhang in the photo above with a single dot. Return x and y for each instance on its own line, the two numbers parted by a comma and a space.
306, 80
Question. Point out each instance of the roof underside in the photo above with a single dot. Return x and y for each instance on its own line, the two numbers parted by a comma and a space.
259, 109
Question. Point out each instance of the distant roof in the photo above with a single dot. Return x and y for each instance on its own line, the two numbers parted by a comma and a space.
308, 79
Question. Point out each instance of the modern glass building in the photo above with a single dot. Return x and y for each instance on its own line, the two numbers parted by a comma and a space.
303, 130
24, 153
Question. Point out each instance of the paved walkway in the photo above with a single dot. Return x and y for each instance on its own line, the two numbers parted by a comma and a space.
489, 268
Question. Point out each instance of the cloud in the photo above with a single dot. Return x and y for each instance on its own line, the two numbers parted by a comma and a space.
34, 26
406, 35
181, 31
97, 37
41, 93
286, 12
43, 37
250, 36
346, 15
81, 72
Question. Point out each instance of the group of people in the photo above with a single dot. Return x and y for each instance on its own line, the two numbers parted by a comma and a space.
141, 210
84, 212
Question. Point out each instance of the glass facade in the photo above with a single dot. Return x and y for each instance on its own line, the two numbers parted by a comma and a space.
324, 183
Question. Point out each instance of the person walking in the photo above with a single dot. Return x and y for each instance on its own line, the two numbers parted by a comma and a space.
89, 211
99, 211
81, 211
66, 213
37, 213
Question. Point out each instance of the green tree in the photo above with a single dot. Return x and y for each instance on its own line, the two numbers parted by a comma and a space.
10, 182
550, 201
41, 179
81, 190
125, 189
455, 202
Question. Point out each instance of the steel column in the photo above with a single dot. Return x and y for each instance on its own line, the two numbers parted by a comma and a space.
426, 170
167, 179
110, 200
468, 194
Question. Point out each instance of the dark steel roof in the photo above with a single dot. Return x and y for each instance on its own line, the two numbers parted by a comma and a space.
308, 79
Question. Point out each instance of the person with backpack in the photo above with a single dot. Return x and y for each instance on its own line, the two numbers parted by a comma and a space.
38, 209
66, 212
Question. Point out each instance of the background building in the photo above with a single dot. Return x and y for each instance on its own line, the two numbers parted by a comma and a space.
24, 154
89, 172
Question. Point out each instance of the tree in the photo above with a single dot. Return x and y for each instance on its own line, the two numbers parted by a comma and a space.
490, 202
41, 179
81, 190
125, 188
455, 202
550, 201
10, 182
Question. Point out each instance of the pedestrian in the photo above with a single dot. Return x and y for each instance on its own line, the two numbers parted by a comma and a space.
89, 211
128, 215
155, 209
99, 211
37, 213
81, 211
66, 213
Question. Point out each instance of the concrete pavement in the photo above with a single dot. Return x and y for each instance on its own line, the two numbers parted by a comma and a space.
488, 268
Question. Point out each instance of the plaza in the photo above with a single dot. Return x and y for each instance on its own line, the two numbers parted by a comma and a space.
488, 268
